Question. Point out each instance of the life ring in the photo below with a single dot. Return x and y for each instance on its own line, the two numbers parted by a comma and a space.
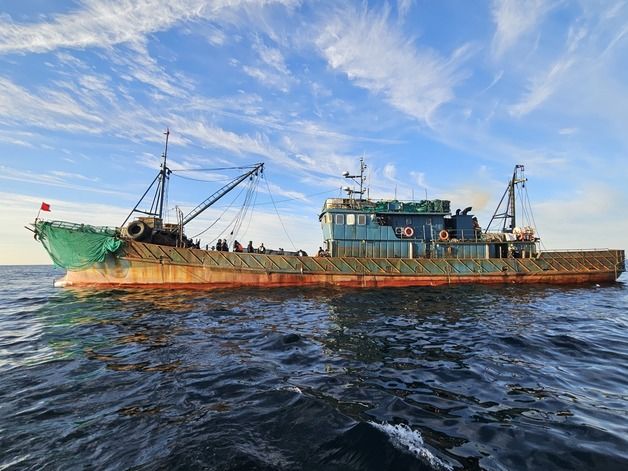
408, 232
443, 235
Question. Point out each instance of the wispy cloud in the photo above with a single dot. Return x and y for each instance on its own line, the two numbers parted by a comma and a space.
18, 104
105, 23
57, 179
271, 70
404, 7
513, 19
374, 54
97, 24
567, 131
140, 66
542, 87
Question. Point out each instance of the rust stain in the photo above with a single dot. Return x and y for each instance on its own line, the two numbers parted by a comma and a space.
232, 273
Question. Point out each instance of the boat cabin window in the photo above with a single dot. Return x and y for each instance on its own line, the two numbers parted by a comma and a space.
340, 218
350, 219
328, 218
361, 219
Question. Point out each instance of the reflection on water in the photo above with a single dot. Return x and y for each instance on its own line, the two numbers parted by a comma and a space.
421, 378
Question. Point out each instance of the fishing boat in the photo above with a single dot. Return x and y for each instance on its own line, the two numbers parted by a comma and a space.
367, 243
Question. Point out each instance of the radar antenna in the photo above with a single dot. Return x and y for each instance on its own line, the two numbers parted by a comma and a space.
359, 179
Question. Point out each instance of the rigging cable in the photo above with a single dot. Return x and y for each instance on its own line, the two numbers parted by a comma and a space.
202, 180
219, 217
284, 200
245, 206
233, 221
278, 216
251, 214
212, 169
534, 223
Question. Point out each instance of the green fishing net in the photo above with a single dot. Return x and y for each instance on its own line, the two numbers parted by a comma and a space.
76, 246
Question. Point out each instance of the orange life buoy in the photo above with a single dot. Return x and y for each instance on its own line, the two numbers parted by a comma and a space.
408, 232
443, 235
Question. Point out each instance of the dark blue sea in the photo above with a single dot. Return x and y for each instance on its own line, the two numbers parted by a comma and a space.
496, 378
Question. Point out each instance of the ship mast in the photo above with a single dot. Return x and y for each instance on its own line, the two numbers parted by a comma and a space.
163, 177
157, 207
509, 214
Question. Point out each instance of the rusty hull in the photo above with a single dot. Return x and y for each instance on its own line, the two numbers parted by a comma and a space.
154, 266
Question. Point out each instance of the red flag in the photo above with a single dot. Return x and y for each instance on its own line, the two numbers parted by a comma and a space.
44, 206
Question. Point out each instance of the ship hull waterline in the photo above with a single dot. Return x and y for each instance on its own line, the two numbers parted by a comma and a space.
216, 270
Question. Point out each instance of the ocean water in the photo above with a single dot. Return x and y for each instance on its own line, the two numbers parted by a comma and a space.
499, 378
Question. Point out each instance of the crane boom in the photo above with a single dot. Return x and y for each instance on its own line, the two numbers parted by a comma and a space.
220, 193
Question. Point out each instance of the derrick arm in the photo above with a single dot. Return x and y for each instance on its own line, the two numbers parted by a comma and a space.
220, 193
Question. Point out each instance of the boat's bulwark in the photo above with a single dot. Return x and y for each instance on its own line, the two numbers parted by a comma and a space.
138, 264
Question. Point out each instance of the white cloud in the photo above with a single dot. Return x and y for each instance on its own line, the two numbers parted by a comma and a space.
272, 57
541, 88
567, 131
373, 53
390, 171
58, 179
49, 107
513, 19
404, 7
613, 10
142, 67
571, 221
271, 70
97, 24
544, 85
419, 179
105, 23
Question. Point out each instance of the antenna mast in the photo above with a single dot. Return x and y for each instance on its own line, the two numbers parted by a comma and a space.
359, 179
163, 177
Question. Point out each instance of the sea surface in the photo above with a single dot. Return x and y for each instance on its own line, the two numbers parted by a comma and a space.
497, 378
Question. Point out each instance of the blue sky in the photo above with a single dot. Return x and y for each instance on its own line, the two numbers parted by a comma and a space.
442, 98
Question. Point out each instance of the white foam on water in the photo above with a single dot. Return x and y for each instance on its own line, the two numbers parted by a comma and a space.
406, 439
60, 283
294, 389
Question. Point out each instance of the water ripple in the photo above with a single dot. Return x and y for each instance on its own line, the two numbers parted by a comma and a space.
441, 378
